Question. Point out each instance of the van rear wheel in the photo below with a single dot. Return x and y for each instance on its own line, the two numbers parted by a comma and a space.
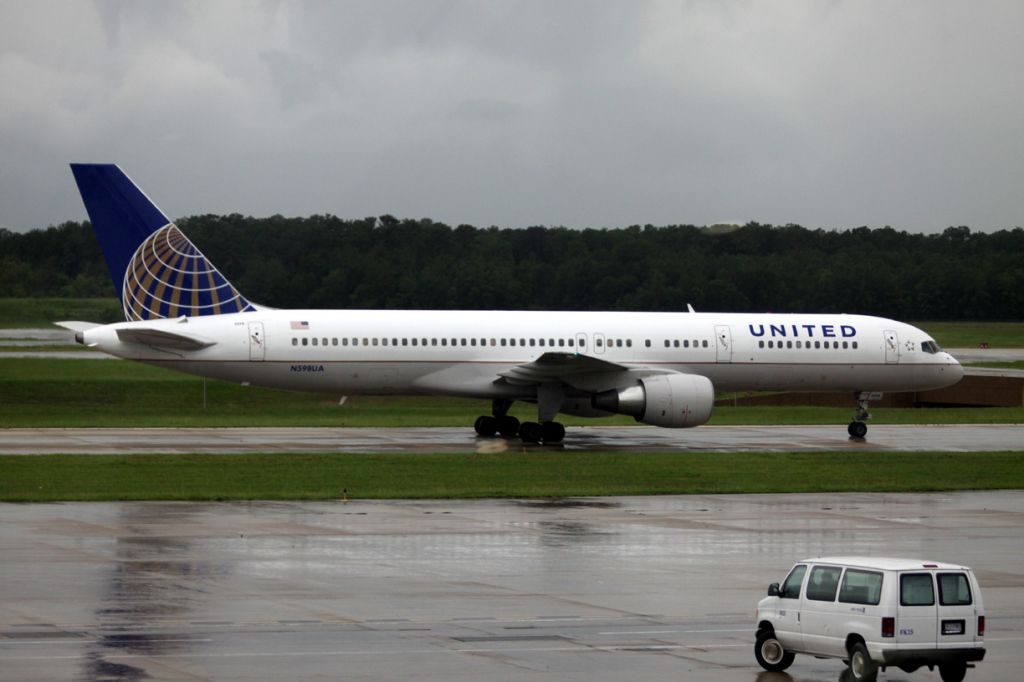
953, 672
770, 653
862, 668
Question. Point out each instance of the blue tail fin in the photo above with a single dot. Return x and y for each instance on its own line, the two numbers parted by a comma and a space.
157, 271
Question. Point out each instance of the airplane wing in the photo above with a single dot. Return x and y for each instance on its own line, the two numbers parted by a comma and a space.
560, 367
163, 339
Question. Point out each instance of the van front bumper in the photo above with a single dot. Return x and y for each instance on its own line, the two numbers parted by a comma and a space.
936, 656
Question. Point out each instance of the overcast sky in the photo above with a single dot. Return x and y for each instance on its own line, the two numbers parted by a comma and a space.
517, 113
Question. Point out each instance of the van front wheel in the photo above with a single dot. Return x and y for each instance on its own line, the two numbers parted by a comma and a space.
953, 672
770, 653
862, 668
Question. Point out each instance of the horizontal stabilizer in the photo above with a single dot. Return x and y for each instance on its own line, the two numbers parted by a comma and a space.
163, 339
76, 326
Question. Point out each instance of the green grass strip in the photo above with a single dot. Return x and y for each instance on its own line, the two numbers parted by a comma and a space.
50, 478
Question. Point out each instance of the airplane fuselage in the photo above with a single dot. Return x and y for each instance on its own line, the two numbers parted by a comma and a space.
463, 352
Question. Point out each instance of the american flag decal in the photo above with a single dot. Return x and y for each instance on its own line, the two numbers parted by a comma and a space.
300, 325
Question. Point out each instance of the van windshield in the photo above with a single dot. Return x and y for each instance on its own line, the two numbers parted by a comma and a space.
791, 588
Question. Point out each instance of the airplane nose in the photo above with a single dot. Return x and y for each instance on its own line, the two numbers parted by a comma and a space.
955, 368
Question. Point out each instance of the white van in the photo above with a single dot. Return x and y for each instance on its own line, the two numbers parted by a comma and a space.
874, 613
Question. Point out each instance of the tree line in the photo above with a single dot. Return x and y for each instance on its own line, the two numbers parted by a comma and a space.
323, 261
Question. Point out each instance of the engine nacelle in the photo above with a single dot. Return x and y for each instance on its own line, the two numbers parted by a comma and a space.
670, 400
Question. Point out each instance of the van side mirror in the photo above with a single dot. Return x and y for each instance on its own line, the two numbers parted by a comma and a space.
773, 590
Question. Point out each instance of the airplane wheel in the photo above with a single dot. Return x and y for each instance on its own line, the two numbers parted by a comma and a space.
552, 432
530, 432
486, 426
508, 426
857, 429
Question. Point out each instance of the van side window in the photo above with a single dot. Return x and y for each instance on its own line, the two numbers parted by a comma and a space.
861, 587
823, 583
916, 589
791, 588
954, 590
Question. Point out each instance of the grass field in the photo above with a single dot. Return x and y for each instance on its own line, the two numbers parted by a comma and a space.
75, 393
559, 474
41, 313
973, 334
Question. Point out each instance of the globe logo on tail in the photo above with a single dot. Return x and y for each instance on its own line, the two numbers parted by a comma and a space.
169, 277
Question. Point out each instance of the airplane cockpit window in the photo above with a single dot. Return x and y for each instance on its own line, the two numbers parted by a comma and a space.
930, 346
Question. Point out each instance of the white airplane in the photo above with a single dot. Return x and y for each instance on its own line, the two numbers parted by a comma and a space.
660, 368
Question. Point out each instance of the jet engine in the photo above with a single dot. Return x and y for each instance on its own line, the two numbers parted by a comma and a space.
669, 400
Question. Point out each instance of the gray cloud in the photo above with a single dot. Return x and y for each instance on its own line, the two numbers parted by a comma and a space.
517, 113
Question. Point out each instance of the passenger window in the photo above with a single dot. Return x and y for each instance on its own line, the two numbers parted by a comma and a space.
472, 342
916, 589
305, 341
817, 344
504, 342
789, 344
823, 583
541, 342
570, 343
599, 342
647, 342
954, 589
629, 343
325, 340
334, 341
295, 341
666, 343
861, 587
704, 343
375, 340
675, 343
791, 588
855, 345
798, 344
760, 344
315, 340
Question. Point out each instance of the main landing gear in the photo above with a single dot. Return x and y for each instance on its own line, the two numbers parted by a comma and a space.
857, 428
507, 426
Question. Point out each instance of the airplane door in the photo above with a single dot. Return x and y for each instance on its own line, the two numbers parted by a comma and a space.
257, 349
581, 343
892, 347
599, 343
723, 346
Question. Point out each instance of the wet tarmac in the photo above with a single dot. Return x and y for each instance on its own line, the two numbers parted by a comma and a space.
947, 438
639, 588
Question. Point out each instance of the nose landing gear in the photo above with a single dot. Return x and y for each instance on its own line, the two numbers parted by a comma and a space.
857, 428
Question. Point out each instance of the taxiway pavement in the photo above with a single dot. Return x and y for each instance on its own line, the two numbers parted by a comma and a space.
637, 588
946, 437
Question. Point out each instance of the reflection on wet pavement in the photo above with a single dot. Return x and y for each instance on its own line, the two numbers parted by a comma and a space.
639, 588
